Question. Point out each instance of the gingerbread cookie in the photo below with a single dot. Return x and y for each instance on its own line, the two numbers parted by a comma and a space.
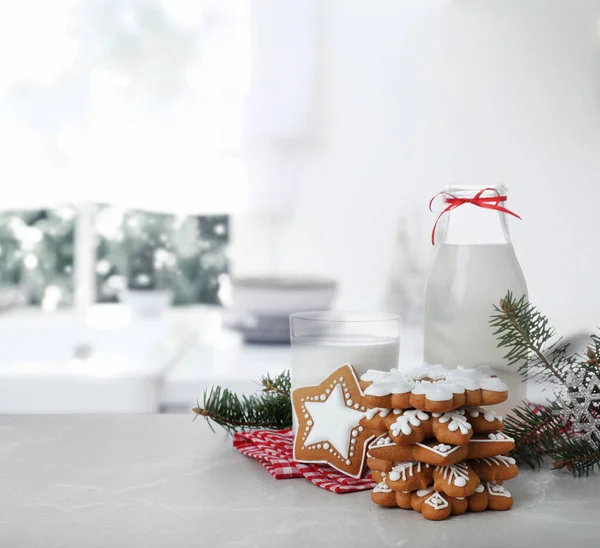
378, 477
328, 417
432, 452
437, 396
484, 420
433, 388
478, 501
457, 480
383, 495
495, 469
452, 427
498, 497
490, 496
434, 505
409, 426
489, 445
408, 476
404, 499
375, 419
379, 465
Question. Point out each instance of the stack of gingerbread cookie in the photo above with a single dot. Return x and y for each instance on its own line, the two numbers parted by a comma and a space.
437, 450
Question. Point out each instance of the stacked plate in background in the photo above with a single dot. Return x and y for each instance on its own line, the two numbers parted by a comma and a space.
260, 306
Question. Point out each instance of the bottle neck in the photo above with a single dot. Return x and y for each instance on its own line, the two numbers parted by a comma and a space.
469, 224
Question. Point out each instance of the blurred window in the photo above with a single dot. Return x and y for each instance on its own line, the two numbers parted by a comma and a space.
135, 250
36, 257
135, 104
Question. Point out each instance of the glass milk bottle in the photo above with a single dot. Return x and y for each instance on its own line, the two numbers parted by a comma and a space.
474, 267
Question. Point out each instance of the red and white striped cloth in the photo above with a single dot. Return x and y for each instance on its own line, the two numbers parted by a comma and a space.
273, 449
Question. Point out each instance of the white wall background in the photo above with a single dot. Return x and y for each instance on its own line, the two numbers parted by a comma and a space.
413, 96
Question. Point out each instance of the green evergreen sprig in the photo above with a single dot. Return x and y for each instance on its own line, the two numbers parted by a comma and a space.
544, 431
531, 340
535, 432
271, 408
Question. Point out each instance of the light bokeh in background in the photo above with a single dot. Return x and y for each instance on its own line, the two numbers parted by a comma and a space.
418, 95
399, 99
126, 102
320, 129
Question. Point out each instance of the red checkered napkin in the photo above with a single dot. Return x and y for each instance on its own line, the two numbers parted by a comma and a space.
273, 449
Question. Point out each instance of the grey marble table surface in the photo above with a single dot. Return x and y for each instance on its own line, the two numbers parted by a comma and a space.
163, 480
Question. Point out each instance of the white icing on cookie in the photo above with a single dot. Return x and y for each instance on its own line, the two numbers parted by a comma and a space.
457, 473
437, 391
399, 471
382, 441
437, 502
488, 414
498, 460
480, 488
493, 384
493, 436
333, 421
456, 420
421, 387
403, 423
418, 380
382, 488
370, 413
497, 490
499, 436
436, 371
388, 387
440, 449
424, 492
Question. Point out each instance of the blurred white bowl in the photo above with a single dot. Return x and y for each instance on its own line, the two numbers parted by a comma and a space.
281, 295
147, 303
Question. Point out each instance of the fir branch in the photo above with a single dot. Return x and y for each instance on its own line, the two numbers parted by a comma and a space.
546, 431
281, 384
592, 353
526, 333
579, 456
535, 432
270, 408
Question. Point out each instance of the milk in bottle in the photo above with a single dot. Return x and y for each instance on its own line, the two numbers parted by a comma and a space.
474, 267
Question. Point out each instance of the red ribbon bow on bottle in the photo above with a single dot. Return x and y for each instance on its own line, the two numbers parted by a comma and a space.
491, 202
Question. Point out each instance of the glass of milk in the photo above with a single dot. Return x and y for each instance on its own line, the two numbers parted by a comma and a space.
474, 267
322, 341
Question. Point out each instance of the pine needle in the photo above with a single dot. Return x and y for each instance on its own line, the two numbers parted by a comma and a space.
530, 340
271, 408
532, 346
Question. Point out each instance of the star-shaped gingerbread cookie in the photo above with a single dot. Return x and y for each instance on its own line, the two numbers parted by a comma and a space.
327, 417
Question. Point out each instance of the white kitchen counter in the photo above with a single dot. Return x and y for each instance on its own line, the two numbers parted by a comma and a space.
223, 360
164, 480
101, 361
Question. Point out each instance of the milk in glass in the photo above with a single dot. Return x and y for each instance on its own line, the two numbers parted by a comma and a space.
474, 267
313, 358
324, 341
